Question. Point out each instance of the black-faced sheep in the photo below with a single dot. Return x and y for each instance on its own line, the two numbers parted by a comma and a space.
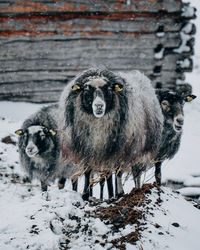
111, 121
172, 104
39, 149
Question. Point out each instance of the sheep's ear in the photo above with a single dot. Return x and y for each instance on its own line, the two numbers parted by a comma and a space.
52, 132
118, 87
19, 132
76, 87
190, 98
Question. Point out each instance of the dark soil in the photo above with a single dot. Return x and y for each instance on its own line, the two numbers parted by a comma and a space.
8, 140
126, 211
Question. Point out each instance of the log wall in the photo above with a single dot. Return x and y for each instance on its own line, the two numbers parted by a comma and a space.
43, 44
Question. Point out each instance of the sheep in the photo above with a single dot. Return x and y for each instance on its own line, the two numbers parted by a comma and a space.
39, 149
110, 121
172, 104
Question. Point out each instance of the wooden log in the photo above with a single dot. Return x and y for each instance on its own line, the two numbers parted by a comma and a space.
32, 96
51, 68
90, 6
33, 80
141, 24
48, 46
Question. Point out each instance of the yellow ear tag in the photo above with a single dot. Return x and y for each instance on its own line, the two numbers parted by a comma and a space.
52, 132
117, 88
189, 98
19, 132
75, 87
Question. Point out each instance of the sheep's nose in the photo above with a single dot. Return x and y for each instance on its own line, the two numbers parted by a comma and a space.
180, 120
99, 105
30, 149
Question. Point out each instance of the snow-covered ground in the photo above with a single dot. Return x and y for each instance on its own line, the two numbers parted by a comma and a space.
59, 218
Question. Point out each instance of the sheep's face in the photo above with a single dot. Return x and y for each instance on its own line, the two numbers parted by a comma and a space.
94, 97
97, 95
36, 139
172, 105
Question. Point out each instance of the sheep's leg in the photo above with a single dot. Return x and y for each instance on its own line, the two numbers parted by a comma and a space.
137, 181
86, 191
102, 183
43, 186
158, 173
75, 185
61, 183
136, 172
91, 190
119, 192
110, 187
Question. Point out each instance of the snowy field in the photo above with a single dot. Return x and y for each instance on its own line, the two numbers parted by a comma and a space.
59, 219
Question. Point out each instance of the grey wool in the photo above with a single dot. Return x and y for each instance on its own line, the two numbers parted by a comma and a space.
110, 120
39, 145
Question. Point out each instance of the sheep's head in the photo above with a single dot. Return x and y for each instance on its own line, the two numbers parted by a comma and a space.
36, 139
97, 90
172, 104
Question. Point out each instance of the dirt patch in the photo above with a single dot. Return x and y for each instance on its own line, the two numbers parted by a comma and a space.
8, 140
127, 211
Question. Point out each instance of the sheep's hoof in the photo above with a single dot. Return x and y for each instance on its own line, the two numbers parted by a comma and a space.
44, 188
158, 181
85, 196
60, 186
120, 195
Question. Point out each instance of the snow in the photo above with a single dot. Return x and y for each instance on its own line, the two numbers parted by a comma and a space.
184, 64
160, 34
184, 47
159, 55
187, 28
30, 219
189, 191
188, 11
177, 210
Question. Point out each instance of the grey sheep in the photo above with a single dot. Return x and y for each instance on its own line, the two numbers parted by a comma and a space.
111, 121
39, 149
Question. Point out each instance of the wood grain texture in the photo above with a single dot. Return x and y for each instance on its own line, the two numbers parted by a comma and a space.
25, 6
44, 44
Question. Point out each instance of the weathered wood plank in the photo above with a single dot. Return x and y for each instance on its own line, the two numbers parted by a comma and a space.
78, 40
145, 25
141, 47
49, 91
88, 5
132, 61
32, 80
32, 96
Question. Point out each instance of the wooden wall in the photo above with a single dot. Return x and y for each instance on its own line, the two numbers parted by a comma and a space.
43, 44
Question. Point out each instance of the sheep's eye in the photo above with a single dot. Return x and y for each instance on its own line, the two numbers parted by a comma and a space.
25, 134
87, 88
165, 105
42, 135
109, 89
